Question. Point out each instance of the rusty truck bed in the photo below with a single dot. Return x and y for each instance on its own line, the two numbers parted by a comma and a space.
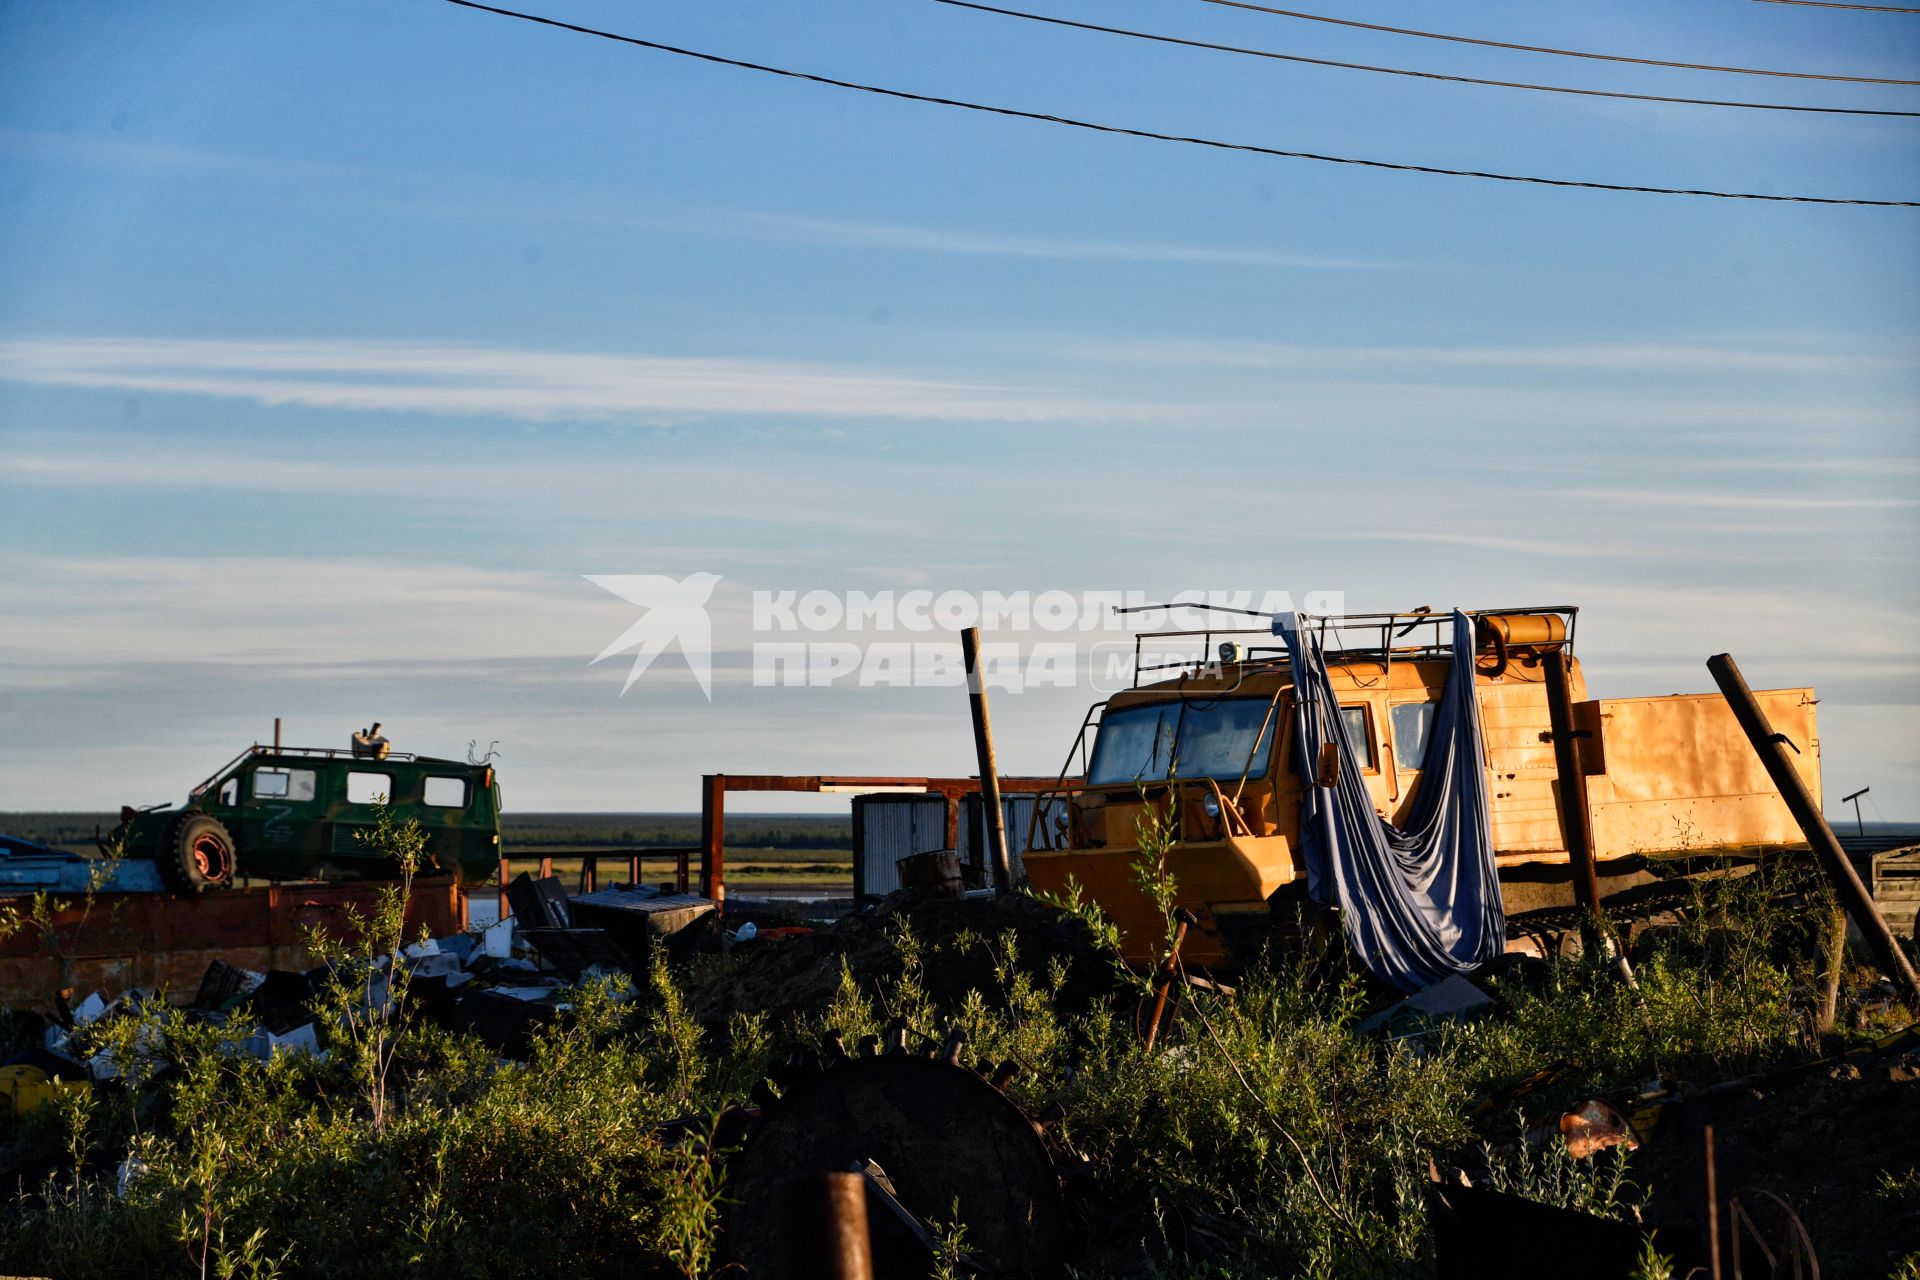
167, 940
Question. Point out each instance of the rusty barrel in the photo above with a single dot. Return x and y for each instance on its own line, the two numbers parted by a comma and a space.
936, 874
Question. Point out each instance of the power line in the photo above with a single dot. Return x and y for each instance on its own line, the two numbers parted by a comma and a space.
1123, 131
1830, 4
1564, 53
1398, 71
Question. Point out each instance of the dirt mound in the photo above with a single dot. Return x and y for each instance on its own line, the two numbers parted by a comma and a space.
960, 942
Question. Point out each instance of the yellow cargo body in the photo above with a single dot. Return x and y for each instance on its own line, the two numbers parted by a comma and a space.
1665, 775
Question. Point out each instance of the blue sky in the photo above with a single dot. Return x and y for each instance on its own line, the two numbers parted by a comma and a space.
337, 342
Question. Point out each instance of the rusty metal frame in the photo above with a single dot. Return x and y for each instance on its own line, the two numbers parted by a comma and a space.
715, 787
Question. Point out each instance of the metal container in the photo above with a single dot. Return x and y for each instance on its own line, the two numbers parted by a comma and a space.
887, 828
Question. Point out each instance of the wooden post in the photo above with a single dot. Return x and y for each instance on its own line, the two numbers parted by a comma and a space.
506, 873
824, 1220
1772, 750
989, 770
713, 840
1713, 1208
1576, 818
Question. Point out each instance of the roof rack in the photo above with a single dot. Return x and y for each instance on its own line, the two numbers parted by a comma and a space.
1377, 640
321, 753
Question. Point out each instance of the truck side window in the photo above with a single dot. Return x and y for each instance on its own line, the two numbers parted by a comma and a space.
447, 793
230, 791
1355, 720
1412, 723
368, 788
282, 784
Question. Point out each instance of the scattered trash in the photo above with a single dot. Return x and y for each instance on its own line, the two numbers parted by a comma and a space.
496, 939
1451, 999
130, 1169
265, 1045
539, 904
89, 1010
25, 1087
640, 919
1588, 1129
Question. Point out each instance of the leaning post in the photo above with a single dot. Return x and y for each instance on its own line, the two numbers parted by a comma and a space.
1771, 747
989, 770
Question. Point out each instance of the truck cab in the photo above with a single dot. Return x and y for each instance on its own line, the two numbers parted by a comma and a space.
1212, 749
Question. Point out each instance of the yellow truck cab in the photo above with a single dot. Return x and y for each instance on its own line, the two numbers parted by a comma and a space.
1213, 747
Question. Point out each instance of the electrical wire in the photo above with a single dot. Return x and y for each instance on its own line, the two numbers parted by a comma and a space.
1122, 131
1398, 71
1830, 4
1564, 53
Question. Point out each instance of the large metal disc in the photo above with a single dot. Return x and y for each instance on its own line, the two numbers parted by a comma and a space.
955, 1150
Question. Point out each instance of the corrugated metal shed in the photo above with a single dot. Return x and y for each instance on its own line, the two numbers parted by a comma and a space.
1016, 811
887, 828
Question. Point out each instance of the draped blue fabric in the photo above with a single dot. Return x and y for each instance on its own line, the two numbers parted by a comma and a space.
1421, 903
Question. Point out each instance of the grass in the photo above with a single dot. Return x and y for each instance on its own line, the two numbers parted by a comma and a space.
1263, 1137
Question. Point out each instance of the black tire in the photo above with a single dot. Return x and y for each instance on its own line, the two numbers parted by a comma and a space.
195, 854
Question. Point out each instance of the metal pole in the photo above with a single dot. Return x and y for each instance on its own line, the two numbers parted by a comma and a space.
276, 739
1772, 750
1163, 983
713, 840
824, 1217
989, 771
1576, 816
1859, 823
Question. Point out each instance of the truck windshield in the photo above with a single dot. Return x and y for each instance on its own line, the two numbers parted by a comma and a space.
1188, 739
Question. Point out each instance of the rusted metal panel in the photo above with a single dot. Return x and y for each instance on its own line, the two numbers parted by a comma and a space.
1681, 776
165, 940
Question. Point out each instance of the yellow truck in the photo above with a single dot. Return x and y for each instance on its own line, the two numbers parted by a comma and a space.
1665, 776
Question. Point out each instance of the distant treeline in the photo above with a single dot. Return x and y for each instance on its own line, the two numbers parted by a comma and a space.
797, 831
61, 830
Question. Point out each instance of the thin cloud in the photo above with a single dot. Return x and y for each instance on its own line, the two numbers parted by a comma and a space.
873, 235
605, 490
1677, 498
1647, 357
529, 385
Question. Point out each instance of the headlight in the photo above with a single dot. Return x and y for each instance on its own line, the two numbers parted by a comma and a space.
1212, 805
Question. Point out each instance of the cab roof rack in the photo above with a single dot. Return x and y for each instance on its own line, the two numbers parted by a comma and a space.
1348, 637
324, 754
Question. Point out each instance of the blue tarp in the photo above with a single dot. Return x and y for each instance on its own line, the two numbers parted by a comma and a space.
1417, 904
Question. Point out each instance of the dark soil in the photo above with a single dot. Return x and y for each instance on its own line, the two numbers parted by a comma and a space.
1838, 1143
799, 974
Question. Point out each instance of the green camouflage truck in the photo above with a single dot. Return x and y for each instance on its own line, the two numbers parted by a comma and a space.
300, 814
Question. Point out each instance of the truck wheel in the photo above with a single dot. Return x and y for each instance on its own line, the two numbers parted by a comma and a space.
195, 854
